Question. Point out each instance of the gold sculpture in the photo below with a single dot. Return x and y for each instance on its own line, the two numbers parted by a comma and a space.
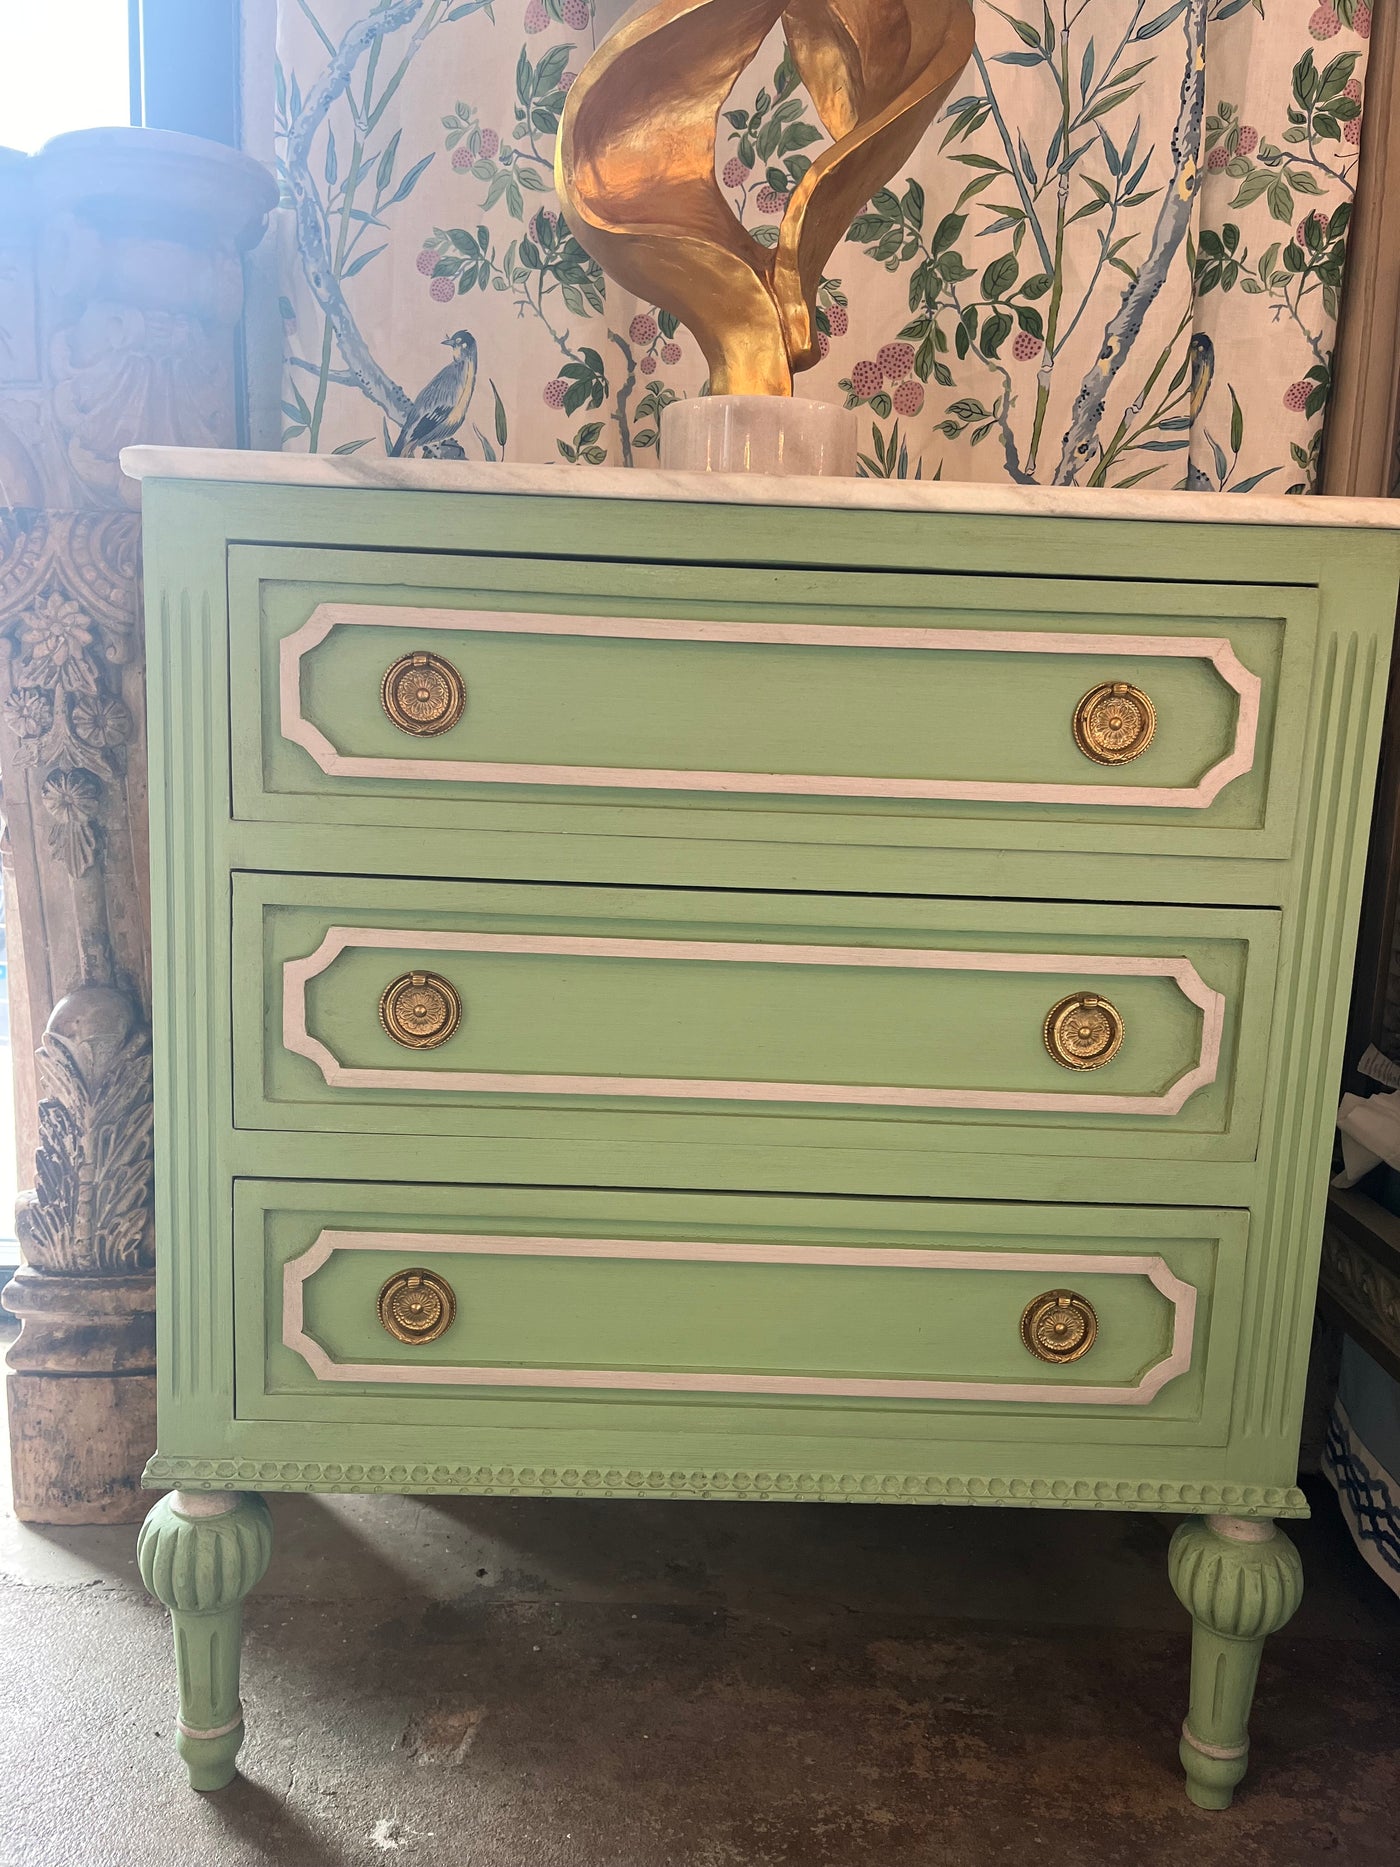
635, 163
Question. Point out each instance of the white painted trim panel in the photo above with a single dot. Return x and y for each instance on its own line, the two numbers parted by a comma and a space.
1066, 1264
328, 616
296, 1037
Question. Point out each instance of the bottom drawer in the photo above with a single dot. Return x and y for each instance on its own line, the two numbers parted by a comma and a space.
558, 1309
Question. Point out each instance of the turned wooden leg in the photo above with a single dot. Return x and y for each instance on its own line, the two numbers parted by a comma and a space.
1240, 1580
200, 1552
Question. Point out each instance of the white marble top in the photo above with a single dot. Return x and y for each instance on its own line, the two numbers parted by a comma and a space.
461, 476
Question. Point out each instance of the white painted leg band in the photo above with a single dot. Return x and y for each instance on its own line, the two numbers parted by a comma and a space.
1222, 1753
222, 1730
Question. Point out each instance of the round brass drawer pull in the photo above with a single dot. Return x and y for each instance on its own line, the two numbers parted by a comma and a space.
1059, 1326
420, 1010
1083, 1031
1114, 722
417, 1306
423, 694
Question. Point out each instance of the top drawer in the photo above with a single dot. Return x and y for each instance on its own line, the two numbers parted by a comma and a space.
858, 708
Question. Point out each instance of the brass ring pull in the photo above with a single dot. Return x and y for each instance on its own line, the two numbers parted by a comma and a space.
423, 694
1059, 1326
1114, 722
417, 1306
1083, 1031
420, 1010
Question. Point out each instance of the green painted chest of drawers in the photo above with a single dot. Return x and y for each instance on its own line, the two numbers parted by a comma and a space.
717, 989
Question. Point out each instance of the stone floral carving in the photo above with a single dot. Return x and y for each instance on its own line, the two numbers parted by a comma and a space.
90, 1210
71, 634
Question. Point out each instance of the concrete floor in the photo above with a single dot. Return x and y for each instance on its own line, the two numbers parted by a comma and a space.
493, 1683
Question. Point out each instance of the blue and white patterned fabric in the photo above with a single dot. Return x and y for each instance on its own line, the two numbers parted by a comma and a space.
1362, 1460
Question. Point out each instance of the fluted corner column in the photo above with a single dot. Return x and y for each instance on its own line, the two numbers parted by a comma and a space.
121, 287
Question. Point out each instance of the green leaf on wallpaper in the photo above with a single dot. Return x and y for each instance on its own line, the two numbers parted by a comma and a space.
974, 188
1280, 198
1000, 276
1161, 22
1236, 421
410, 181
1102, 105
1335, 77
1254, 184
358, 264
384, 174
1026, 34
945, 233
1037, 285
994, 333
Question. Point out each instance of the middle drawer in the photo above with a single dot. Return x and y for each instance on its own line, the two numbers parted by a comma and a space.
412, 1007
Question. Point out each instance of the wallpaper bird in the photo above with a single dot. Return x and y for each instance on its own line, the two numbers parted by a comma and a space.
440, 409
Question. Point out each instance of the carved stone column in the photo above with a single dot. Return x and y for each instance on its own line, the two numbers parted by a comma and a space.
121, 287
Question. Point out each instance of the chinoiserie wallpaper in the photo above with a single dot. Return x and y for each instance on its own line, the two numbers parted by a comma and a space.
1115, 260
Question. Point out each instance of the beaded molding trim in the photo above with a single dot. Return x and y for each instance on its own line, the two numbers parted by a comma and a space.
757, 1487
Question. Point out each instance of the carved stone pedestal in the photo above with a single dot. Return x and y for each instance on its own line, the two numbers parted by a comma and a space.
120, 291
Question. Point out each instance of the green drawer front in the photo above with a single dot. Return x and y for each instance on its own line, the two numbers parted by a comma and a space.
590, 689
645, 1304
634, 1004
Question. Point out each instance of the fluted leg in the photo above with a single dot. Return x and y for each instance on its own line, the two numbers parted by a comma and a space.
1240, 1580
200, 1553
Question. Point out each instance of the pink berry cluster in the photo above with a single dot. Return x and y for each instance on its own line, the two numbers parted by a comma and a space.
1295, 396
1246, 142
735, 173
839, 319
426, 260
1316, 220
1025, 348
769, 201
644, 331
893, 363
442, 290
575, 14
1326, 23
554, 392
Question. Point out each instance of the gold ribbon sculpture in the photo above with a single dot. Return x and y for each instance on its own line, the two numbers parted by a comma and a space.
635, 165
